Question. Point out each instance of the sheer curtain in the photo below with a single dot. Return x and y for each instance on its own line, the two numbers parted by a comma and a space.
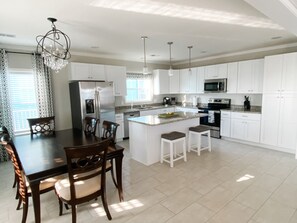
43, 83
5, 109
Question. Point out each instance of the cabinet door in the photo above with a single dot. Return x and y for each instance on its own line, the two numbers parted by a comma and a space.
270, 119
257, 76
238, 129
253, 131
97, 72
120, 130
222, 70
117, 75
273, 66
225, 129
161, 82
287, 131
289, 77
211, 72
244, 76
232, 77
184, 81
79, 71
200, 79
174, 82
192, 78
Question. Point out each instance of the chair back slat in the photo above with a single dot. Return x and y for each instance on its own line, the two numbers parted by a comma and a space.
44, 126
109, 130
90, 125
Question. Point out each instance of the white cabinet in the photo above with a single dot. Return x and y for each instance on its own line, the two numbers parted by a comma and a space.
120, 130
187, 81
245, 126
117, 74
84, 71
279, 127
216, 71
232, 77
280, 73
225, 128
250, 76
174, 82
161, 82
200, 79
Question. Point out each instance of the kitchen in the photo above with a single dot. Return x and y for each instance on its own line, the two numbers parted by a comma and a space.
237, 88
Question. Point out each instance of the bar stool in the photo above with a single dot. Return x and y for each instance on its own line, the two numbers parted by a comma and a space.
199, 131
172, 138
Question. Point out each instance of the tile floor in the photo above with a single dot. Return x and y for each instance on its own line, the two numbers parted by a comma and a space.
234, 183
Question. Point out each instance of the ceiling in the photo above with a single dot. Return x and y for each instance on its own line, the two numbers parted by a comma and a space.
113, 28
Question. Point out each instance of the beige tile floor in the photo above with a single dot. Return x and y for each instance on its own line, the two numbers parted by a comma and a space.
234, 183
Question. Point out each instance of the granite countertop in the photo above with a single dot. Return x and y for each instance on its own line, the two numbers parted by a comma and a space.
256, 109
156, 120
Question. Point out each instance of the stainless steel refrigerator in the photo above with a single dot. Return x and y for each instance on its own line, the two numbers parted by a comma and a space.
94, 99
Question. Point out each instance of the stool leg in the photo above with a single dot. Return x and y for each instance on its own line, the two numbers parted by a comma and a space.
198, 144
184, 150
162, 150
171, 154
189, 142
209, 142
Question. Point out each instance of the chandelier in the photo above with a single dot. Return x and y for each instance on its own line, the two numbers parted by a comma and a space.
54, 47
145, 69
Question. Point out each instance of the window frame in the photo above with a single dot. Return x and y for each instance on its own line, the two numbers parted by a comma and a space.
140, 77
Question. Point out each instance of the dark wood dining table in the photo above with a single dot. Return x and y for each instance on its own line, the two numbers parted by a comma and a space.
42, 157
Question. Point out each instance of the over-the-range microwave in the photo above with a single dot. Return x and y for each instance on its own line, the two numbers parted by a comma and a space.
215, 85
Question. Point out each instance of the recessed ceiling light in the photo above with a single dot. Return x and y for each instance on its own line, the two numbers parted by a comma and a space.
276, 37
95, 47
203, 51
154, 55
7, 35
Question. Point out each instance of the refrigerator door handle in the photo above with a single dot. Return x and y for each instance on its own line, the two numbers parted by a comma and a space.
97, 102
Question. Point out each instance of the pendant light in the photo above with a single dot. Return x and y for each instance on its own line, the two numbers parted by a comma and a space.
190, 48
170, 71
54, 47
145, 69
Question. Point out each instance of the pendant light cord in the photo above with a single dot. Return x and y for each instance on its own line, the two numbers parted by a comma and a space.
190, 48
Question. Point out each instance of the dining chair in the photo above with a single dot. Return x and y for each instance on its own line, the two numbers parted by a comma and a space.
90, 125
86, 176
24, 191
109, 130
3, 132
44, 126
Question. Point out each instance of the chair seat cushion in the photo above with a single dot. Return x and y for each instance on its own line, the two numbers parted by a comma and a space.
199, 128
82, 188
173, 135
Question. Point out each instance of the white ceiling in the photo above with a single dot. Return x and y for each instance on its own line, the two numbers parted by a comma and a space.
115, 27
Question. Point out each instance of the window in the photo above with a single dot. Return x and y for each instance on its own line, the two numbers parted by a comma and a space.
23, 98
139, 88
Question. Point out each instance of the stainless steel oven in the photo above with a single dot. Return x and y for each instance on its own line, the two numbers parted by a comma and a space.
213, 120
215, 85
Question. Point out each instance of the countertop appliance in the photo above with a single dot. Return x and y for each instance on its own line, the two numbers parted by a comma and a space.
127, 115
215, 85
94, 99
166, 101
213, 119
173, 101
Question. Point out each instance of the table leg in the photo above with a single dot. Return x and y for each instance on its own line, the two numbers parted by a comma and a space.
118, 161
36, 200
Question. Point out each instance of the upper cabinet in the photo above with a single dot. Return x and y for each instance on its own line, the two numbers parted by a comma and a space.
187, 80
280, 73
216, 71
84, 71
250, 76
200, 79
174, 82
117, 75
232, 77
161, 82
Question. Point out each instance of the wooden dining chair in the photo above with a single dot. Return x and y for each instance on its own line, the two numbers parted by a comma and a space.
44, 126
109, 131
86, 176
24, 190
90, 125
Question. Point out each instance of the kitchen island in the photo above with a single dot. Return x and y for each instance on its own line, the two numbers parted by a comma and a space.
145, 133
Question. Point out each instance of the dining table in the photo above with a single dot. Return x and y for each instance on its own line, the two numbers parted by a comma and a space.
43, 156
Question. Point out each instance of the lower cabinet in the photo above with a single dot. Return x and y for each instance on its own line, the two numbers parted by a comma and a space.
225, 129
120, 131
245, 126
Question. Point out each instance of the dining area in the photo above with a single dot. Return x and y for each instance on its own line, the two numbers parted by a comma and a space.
73, 163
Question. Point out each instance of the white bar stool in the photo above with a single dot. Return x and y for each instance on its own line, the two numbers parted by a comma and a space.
172, 138
199, 131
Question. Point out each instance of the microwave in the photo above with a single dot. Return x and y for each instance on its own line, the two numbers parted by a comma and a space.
215, 85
